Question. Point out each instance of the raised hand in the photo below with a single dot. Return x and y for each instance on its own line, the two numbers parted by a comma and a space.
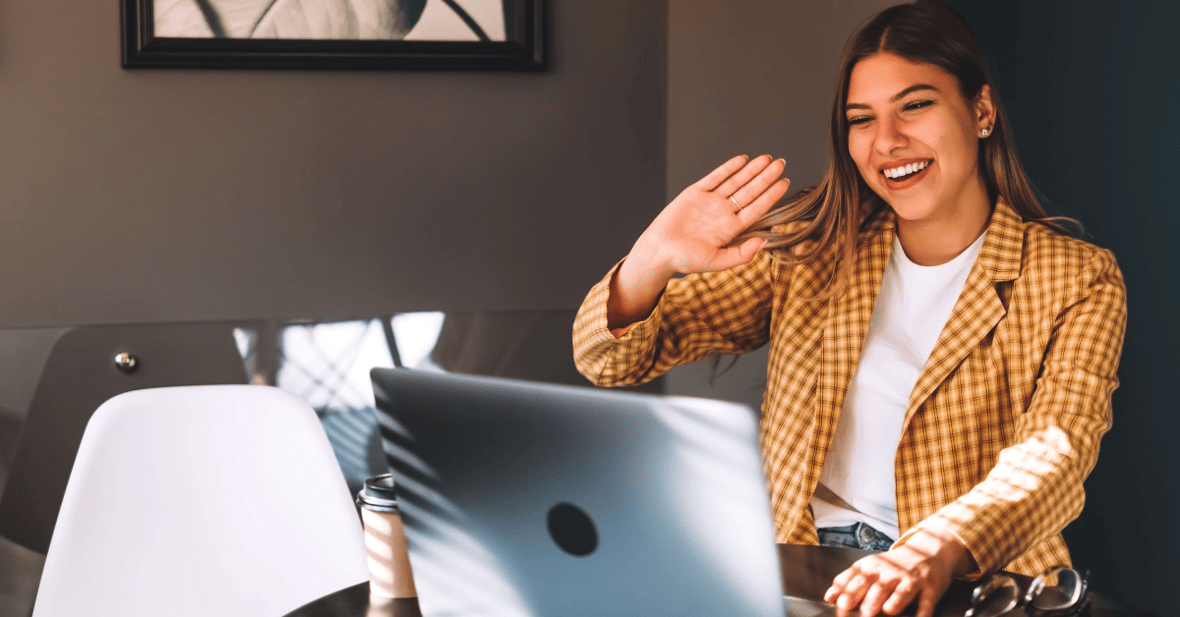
693, 233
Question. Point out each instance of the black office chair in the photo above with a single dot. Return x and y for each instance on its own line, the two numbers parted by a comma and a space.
82, 373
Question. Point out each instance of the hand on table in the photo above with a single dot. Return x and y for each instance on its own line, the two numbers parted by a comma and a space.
693, 233
921, 569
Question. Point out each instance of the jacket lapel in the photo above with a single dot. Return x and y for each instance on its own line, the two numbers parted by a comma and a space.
845, 327
979, 307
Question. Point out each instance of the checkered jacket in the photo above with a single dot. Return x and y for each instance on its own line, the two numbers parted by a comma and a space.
1003, 424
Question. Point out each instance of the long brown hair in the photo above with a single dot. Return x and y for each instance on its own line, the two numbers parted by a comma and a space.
831, 214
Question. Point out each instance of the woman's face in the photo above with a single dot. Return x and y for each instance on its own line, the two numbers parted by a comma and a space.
915, 139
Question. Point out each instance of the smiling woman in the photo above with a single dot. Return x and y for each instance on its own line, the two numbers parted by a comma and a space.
942, 354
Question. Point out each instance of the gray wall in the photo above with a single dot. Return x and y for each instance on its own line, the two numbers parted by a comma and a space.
170, 195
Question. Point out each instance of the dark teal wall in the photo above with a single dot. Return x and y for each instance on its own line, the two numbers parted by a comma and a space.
1094, 95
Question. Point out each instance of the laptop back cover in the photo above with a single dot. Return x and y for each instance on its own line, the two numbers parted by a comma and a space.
523, 498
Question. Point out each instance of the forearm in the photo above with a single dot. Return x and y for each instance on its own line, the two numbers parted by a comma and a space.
946, 548
636, 286
1032, 493
697, 316
1034, 487
613, 358
635, 289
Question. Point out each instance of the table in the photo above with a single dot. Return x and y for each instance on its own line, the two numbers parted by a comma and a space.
807, 573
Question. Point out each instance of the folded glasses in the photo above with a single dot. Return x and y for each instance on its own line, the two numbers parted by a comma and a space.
1058, 592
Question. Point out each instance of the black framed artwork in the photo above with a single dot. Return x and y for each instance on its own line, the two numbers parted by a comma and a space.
334, 34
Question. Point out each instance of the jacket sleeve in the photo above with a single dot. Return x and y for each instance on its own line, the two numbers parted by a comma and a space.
1035, 488
697, 316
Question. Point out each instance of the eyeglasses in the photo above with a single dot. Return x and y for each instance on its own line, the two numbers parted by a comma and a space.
1058, 592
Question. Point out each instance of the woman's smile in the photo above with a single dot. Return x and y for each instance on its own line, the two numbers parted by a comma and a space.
905, 175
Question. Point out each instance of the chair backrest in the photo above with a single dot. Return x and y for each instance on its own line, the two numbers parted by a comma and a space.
78, 376
202, 500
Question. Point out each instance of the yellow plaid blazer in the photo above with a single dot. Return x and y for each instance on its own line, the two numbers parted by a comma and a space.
1004, 422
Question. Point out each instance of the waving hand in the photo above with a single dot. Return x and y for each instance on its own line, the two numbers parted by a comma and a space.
693, 233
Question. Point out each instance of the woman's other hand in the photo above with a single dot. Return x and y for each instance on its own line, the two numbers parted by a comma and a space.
694, 232
921, 569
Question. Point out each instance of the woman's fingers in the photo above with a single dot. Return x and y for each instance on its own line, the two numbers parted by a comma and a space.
746, 182
885, 589
693, 233
763, 203
722, 173
926, 602
839, 583
752, 189
856, 590
743, 176
858, 586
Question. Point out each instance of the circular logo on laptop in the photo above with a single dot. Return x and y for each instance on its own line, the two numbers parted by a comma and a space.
572, 530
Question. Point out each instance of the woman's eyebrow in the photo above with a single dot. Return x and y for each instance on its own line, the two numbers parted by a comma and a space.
894, 98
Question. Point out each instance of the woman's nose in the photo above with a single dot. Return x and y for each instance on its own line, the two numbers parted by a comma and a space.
889, 135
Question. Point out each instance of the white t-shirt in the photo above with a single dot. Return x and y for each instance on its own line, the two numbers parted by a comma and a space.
912, 308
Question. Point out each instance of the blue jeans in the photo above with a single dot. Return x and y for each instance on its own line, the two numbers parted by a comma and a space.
858, 535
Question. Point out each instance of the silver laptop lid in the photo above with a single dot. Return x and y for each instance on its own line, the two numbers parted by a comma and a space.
523, 498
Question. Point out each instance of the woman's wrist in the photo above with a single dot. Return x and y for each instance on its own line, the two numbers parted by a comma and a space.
635, 289
946, 547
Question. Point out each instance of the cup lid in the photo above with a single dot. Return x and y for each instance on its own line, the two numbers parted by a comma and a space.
378, 494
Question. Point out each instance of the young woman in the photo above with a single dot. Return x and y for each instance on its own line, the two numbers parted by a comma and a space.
942, 353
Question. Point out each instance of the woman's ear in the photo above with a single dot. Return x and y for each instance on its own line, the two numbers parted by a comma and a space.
985, 111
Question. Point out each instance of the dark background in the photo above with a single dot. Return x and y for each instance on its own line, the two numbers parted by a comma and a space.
1093, 91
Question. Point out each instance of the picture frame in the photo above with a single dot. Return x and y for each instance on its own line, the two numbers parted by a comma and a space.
334, 34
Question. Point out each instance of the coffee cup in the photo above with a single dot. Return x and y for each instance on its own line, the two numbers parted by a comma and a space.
389, 561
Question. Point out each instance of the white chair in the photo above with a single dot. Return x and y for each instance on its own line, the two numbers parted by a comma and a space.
202, 500
78, 376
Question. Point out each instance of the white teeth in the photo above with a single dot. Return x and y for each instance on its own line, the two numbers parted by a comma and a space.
905, 170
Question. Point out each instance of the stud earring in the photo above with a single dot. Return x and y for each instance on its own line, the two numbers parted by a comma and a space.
987, 131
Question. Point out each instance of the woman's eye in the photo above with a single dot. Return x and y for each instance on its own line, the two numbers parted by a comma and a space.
858, 120
917, 105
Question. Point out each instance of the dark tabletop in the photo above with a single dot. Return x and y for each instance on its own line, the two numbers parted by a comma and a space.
807, 573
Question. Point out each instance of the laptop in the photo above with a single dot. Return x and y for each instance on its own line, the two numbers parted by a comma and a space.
531, 499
